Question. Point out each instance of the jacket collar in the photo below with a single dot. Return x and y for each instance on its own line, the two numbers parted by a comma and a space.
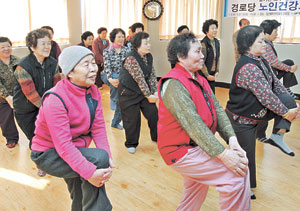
186, 72
77, 90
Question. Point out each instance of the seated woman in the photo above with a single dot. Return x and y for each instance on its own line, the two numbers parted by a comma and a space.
7, 80
87, 39
189, 116
137, 91
257, 95
114, 56
69, 119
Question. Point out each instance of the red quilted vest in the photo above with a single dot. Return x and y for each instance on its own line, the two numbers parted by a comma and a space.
173, 141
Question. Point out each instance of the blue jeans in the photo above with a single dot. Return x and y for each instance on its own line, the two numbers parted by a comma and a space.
114, 101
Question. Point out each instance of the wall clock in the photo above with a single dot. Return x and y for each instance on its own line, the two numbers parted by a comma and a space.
153, 9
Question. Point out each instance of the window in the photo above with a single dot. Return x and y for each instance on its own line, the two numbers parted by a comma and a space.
33, 14
187, 12
111, 14
287, 32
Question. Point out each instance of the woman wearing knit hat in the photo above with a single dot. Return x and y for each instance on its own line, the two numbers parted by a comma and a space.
69, 119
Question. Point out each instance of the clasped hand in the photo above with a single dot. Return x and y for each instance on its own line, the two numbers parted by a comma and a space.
101, 176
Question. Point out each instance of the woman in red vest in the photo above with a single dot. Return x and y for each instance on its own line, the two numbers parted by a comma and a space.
189, 116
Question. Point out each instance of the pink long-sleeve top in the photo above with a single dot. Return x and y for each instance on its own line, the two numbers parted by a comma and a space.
67, 126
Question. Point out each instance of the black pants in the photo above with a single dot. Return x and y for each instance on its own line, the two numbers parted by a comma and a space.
7, 124
246, 134
27, 124
289, 79
131, 106
279, 123
99, 81
212, 84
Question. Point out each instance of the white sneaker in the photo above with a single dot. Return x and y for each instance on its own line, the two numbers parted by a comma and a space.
132, 150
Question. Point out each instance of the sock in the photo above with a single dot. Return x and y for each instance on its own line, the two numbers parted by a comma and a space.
263, 140
292, 93
277, 140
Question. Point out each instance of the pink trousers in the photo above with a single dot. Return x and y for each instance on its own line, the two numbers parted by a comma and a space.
199, 171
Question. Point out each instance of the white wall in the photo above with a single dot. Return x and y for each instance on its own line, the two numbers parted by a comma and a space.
159, 48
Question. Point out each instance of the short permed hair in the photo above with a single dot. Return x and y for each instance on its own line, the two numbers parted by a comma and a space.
33, 36
207, 23
5, 39
180, 46
135, 26
49, 28
101, 29
137, 39
269, 25
114, 32
182, 27
85, 35
246, 37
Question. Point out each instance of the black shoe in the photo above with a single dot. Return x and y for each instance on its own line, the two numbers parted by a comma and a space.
253, 197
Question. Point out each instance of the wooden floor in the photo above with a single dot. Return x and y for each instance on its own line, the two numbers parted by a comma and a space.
143, 182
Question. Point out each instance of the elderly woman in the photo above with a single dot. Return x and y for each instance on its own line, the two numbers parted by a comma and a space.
257, 95
283, 69
87, 39
113, 60
35, 74
7, 79
62, 137
137, 91
55, 49
211, 52
99, 44
189, 116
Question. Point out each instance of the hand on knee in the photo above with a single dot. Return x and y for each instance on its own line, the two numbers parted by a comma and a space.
236, 163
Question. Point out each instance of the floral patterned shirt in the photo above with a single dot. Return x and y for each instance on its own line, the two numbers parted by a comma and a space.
272, 58
134, 69
250, 77
7, 78
113, 60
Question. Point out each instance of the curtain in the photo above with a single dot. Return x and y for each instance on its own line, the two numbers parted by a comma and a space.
187, 12
33, 14
287, 32
111, 14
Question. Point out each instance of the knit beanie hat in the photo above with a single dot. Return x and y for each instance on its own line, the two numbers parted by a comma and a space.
71, 56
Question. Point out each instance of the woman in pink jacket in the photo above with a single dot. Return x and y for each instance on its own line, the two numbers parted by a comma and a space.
69, 119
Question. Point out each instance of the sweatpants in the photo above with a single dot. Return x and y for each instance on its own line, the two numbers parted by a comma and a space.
7, 124
132, 105
199, 171
84, 195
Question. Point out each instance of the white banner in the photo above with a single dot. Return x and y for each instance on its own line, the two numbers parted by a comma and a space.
234, 8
